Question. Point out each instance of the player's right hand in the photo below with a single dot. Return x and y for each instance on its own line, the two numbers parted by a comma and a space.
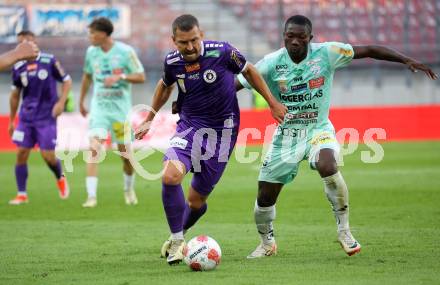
278, 111
83, 110
142, 130
11, 129
27, 51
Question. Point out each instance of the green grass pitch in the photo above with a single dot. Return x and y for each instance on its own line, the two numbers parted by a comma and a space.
395, 214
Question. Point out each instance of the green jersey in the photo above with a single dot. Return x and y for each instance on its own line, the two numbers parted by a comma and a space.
304, 88
120, 59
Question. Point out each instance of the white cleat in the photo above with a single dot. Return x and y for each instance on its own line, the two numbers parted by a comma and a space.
90, 203
165, 248
130, 197
175, 252
263, 250
348, 242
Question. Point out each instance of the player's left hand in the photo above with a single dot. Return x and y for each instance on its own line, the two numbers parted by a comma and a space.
278, 111
142, 130
415, 66
112, 79
58, 108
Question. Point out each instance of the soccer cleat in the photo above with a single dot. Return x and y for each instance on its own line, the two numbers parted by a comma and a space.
19, 199
90, 203
175, 251
63, 187
165, 247
263, 250
348, 243
130, 197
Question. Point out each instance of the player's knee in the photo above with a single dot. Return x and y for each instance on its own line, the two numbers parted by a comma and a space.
171, 178
327, 168
267, 194
195, 204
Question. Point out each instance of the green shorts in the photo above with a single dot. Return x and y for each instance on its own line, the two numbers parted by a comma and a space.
291, 146
120, 130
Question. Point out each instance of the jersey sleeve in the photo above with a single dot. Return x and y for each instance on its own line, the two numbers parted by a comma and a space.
58, 71
235, 61
16, 81
168, 78
339, 54
262, 67
134, 65
87, 62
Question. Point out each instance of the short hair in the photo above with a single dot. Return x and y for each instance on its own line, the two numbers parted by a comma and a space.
25, 33
185, 23
102, 24
299, 20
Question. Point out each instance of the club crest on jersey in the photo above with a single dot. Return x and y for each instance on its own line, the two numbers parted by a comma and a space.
315, 69
282, 85
209, 76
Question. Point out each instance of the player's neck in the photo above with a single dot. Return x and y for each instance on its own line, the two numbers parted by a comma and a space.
298, 57
107, 45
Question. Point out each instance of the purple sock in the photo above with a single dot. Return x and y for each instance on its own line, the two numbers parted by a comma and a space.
174, 205
21, 175
56, 169
192, 216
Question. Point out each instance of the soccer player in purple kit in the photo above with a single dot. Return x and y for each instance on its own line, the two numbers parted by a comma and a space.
36, 80
209, 120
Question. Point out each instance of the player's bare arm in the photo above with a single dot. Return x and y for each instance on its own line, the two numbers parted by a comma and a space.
161, 95
388, 54
135, 78
14, 101
85, 85
24, 50
58, 108
257, 82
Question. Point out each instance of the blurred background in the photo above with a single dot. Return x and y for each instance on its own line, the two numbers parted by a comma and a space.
253, 26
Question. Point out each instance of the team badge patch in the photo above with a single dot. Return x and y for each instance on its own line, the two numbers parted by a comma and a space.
42, 74
282, 85
209, 76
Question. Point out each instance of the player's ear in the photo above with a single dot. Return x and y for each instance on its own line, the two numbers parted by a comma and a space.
173, 38
202, 34
311, 37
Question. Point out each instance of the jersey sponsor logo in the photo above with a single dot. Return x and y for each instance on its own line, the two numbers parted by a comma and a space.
178, 142
298, 79
181, 83
24, 79
302, 108
323, 138
117, 71
282, 86
301, 97
305, 115
60, 68
45, 60
291, 132
192, 67
212, 53
110, 93
213, 45
194, 76
32, 73
281, 68
342, 51
316, 82
173, 60
299, 87
31, 67
209, 76
236, 58
313, 61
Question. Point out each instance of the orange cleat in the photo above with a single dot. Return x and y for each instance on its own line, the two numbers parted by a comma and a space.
19, 199
63, 187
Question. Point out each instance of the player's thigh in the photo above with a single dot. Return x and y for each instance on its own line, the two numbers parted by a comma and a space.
281, 163
99, 126
324, 152
49, 156
47, 136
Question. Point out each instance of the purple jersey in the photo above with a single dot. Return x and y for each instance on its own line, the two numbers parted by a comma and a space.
37, 82
207, 96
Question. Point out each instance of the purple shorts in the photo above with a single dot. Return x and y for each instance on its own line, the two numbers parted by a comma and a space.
204, 152
27, 135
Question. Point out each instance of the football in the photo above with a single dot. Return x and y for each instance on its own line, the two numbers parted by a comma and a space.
202, 253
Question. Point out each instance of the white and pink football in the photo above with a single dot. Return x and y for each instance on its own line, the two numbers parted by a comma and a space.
202, 253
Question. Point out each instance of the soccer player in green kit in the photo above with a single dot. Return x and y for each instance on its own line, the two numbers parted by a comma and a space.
112, 66
300, 76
